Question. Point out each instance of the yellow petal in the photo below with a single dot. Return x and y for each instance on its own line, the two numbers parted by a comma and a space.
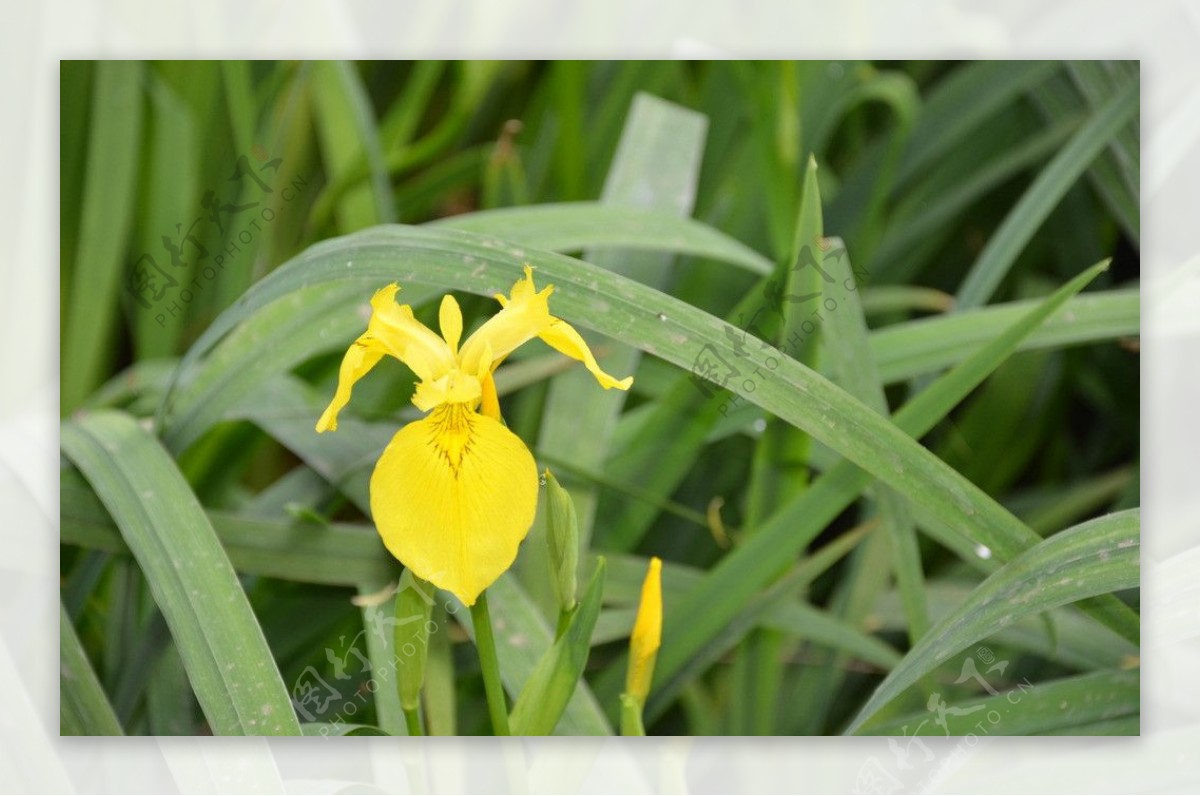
453, 496
455, 387
406, 338
363, 354
561, 336
522, 318
490, 406
647, 634
525, 315
450, 319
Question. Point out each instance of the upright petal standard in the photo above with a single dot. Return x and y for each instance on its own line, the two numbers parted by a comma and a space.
455, 492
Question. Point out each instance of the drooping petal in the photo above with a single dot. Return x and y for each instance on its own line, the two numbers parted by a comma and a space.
363, 354
525, 315
562, 336
406, 338
392, 330
453, 496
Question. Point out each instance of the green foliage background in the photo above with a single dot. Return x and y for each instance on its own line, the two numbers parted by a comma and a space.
825, 573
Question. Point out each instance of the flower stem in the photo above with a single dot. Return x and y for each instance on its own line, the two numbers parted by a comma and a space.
412, 720
485, 642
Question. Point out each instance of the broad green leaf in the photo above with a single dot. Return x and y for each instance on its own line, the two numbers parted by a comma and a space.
657, 443
83, 707
191, 578
381, 650
1095, 558
1069, 706
1051, 184
1065, 635
930, 344
575, 226
551, 684
92, 301
333, 554
1116, 174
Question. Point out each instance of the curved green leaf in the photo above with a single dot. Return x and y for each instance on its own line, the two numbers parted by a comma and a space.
1083, 705
83, 707
550, 685
575, 226
1097, 557
222, 646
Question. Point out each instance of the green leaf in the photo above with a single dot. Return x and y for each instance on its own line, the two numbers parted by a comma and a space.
170, 182
574, 226
522, 639
846, 343
1069, 706
348, 133
562, 537
334, 554
964, 100
93, 299
930, 344
193, 583
551, 684
1097, 557
410, 641
83, 707
1051, 184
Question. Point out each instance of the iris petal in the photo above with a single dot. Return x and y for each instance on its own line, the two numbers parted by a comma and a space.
453, 496
562, 336
526, 315
362, 355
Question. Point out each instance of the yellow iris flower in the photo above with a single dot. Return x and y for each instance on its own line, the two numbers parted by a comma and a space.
455, 492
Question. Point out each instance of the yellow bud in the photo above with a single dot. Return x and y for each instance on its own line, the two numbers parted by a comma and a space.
647, 635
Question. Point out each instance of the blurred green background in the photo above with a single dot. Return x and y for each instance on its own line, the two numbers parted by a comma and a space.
951, 185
